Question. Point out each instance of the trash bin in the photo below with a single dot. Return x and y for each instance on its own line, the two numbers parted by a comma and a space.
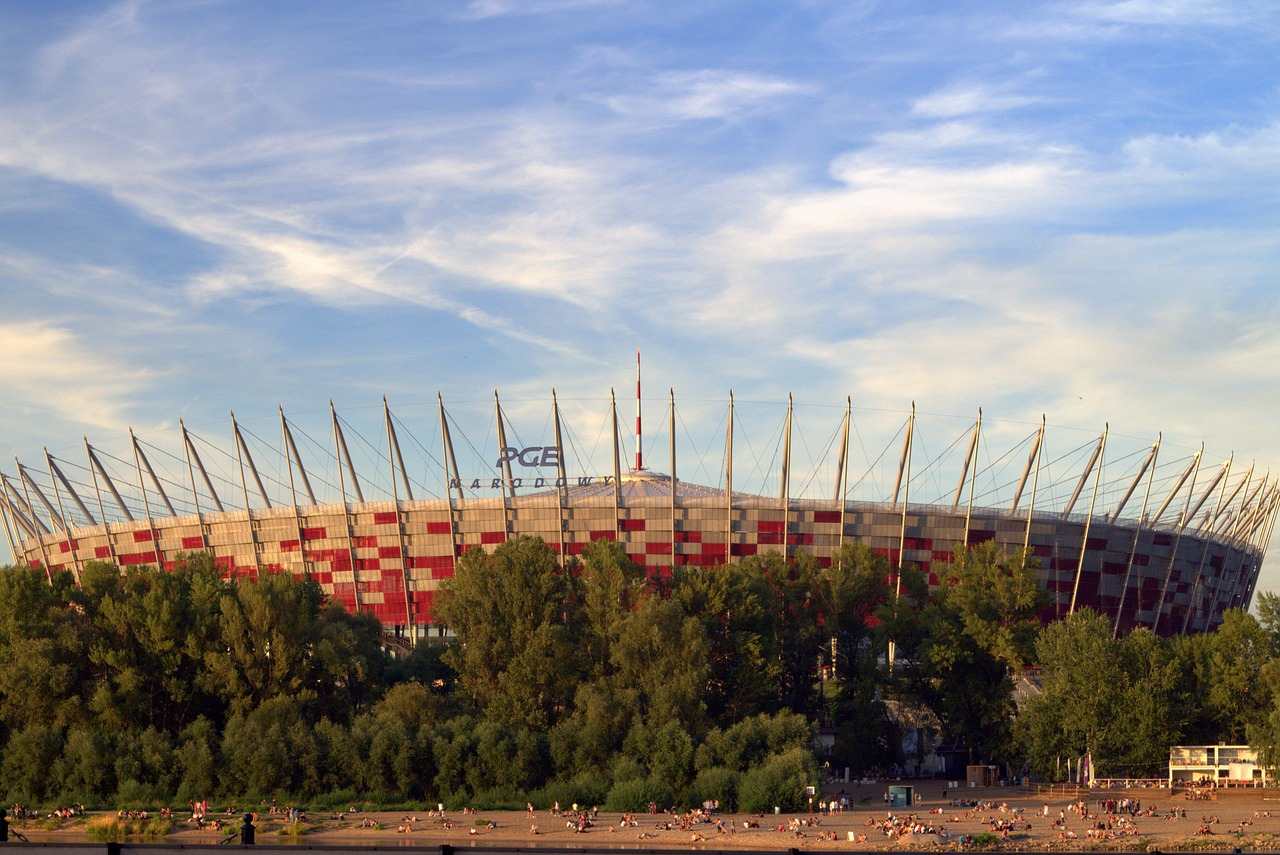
776, 810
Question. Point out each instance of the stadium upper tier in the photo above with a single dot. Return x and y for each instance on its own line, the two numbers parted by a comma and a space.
1164, 543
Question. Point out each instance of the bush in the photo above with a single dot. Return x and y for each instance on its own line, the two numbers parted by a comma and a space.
498, 798
779, 782
718, 784
587, 788
115, 830
627, 768
338, 800
133, 794
637, 795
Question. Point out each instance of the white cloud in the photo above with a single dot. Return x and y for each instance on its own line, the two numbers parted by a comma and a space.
502, 8
967, 99
702, 95
64, 377
1168, 12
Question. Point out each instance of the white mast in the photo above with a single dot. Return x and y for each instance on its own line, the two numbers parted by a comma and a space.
639, 459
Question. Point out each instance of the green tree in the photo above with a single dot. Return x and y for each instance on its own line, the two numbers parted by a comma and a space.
1237, 652
1082, 689
267, 642
349, 660
199, 759
663, 654
86, 770
44, 638
852, 590
609, 586
997, 596
779, 782
516, 658
797, 636
266, 750
29, 756
736, 608
1155, 707
1267, 605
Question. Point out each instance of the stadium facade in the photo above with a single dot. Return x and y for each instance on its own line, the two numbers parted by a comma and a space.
1176, 546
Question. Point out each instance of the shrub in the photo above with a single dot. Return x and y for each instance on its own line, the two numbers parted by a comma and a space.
718, 784
779, 782
637, 795
114, 829
337, 800
587, 788
497, 798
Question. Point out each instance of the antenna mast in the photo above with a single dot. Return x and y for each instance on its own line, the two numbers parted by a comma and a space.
639, 459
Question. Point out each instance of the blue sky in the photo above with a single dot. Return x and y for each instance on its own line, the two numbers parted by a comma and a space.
1060, 208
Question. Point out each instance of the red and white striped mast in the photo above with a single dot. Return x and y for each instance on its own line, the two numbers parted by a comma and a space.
639, 459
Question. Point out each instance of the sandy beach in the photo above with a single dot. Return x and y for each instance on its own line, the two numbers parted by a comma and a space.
1006, 818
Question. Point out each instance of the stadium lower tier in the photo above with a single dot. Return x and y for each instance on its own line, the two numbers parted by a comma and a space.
390, 559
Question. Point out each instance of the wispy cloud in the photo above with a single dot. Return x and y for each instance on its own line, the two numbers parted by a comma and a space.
64, 377
1071, 208
701, 95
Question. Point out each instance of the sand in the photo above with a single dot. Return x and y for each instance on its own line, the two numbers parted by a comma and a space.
1234, 818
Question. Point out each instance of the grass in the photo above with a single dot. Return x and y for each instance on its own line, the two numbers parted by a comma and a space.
115, 829
295, 829
984, 841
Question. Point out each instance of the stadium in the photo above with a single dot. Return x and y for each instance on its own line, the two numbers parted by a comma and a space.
1149, 537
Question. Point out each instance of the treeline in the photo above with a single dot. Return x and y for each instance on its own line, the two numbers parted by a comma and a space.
591, 684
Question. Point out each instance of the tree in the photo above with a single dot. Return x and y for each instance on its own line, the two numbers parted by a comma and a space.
1237, 652
609, 586
515, 657
796, 634
44, 640
1081, 692
663, 654
267, 642
1155, 707
851, 591
736, 608
997, 596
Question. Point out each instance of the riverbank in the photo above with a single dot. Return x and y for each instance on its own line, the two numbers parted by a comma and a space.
993, 818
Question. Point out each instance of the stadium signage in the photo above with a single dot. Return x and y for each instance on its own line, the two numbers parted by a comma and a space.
538, 483
534, 455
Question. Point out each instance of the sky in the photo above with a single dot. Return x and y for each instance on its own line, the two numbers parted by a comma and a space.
1057, 209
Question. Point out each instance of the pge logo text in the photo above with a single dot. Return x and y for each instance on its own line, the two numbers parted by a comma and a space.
534, 455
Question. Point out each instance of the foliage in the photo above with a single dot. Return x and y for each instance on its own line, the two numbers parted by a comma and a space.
778, 782
719, 784
510, 612
637, 795
589, 683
